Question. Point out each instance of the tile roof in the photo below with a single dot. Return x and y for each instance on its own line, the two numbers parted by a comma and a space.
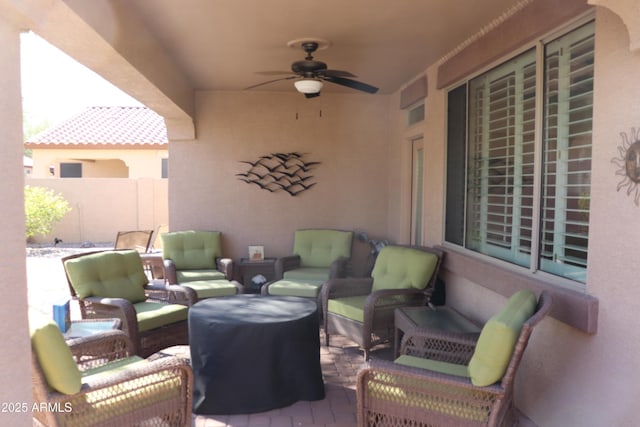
106, 126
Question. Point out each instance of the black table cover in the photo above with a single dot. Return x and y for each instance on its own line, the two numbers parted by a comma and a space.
253, 353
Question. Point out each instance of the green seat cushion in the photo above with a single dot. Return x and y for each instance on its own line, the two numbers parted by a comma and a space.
192, 250
498, 338
320, 248
56, 361
184, 276
308, 289
110, 274
417, 393
158, 392
152, 315
308, 274
403, 268
114, 366
433, 365
212, 288
349, 307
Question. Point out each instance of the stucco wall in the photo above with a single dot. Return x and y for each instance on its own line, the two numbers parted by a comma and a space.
569, 378
100, 207
348, 134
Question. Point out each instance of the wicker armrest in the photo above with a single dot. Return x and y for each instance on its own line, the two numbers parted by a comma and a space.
439, 345
116, 307
390, 298
345, 287
284, 264
339, 268
225, 265
170, 365
95, 350
170, 273
181, 295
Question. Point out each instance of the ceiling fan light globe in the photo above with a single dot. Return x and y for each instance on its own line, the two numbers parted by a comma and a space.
308, 85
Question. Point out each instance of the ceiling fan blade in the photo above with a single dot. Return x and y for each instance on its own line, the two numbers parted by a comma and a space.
270, 81
336, 73
272, 73
353, 84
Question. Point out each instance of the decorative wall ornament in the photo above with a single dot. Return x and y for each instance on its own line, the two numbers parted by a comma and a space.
628, 163
280, 172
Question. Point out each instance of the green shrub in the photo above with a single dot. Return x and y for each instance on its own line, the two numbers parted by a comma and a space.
43, 208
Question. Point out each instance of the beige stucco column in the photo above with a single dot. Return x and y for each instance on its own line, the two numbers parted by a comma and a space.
15, 367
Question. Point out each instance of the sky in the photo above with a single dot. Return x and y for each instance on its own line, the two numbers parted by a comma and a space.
55, 87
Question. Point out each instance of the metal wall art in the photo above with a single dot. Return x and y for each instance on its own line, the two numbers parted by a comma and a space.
280, 172
628, 163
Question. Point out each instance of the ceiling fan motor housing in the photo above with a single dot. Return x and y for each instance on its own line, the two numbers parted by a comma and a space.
308, 66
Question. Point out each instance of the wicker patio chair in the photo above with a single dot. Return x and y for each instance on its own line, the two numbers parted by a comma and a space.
96, 381
140, 240
318, 255
433, 383
112, 284
361, 309
193, 260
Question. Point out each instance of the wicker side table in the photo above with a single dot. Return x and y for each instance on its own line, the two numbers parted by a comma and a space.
441, 318
247, 270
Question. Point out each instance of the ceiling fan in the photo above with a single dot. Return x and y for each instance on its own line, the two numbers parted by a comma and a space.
311, 73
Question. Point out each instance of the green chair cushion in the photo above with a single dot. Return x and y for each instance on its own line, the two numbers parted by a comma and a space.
292, 288
152, 315
212, 288
425, 395
320, 248
399, 267
498, 338
149, 391
56, 361
184, 276
433, 365
307, 274
110, 274
349, 307
115, 366
192, 250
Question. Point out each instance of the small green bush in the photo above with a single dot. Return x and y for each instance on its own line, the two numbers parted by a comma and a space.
43, 208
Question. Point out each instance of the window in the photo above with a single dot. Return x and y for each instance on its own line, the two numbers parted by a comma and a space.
528, 163
164, 168
417, 203
70, 170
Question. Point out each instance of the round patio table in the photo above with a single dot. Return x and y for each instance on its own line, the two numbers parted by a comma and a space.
254, 353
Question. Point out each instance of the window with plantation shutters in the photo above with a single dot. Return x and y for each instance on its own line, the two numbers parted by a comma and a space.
528, 158
500, 158
568, 101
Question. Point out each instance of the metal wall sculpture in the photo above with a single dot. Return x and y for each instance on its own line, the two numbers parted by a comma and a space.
628, 162
280, 172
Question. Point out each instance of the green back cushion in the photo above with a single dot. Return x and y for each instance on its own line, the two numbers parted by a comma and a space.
191, 250
111, 274
54, 356
498, 338
398, 267
319, 248
153, 315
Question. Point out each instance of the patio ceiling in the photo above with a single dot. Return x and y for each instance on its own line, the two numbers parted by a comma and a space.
221, 44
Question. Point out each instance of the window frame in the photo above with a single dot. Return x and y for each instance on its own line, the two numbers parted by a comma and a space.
534, 268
